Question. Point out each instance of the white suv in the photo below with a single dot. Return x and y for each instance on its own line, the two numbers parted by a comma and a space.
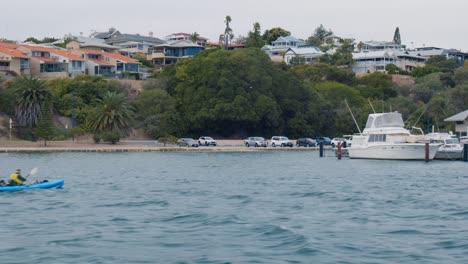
335, 141
206, 141
281, 141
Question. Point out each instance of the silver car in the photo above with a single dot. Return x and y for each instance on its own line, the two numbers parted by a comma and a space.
256, 142
187, 142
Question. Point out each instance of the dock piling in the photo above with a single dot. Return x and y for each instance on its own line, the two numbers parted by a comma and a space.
465, 152
321, 149
338, 151
426, 150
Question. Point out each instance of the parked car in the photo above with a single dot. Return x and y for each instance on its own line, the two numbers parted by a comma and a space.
206, 141
187, 142
306, 142
324, 140
463, 140
281, 141
335, 142
256, 142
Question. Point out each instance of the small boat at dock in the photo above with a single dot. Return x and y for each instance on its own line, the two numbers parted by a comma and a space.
450, 148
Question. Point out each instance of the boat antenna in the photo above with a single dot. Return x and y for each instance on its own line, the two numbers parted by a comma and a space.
355, 122
422, 113
368, 99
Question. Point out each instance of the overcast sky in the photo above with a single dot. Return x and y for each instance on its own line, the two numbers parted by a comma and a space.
422, 22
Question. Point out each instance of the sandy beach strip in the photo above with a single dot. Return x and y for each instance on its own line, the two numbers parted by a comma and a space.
130, 146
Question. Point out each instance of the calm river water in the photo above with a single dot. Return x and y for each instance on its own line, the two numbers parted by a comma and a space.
268, 207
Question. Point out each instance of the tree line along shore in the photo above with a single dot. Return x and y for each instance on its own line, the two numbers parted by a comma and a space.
228, 94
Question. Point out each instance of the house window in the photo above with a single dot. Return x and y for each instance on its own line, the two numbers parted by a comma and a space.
24, 64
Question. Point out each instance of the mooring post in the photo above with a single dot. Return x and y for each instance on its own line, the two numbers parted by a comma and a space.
339, 150
465, 152
321, 149
426, 150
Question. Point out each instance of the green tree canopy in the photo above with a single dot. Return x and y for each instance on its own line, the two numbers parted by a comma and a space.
254, 38
112, 114
273, 34
45, 126
30, 94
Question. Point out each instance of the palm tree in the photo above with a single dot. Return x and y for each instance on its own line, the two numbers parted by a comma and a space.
113, 113
30, 94
221, 40
228, 35
194, 37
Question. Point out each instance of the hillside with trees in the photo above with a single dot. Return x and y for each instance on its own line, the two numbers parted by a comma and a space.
233, 94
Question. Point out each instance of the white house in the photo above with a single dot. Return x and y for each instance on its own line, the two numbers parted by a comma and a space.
278, 48
372, 61
304, 55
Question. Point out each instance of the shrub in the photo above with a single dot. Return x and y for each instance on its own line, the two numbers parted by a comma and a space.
97, 138
169, 139
111, 137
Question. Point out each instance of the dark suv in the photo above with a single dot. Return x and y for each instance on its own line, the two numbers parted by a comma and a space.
324, 140
306, 142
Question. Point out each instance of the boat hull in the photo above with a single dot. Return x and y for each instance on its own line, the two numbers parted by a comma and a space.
449, 154
43, 185
393, 152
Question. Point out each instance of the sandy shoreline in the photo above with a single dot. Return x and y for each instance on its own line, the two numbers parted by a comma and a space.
128, 146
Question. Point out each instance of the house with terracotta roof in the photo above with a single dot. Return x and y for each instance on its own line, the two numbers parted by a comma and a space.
171, 53
13, 62
48, 62
108, 64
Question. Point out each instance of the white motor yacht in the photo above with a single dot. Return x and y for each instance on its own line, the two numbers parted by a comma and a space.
385, 137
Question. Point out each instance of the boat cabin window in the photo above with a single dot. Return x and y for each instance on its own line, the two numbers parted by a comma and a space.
377, 138
452, 141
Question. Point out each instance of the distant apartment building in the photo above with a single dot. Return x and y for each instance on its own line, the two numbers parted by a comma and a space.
13, 62
170, 53
278, 48
107, 64
52, 63
79, 42
428, 52
129, 44
186, 36
374, 56
376, 61
302, 55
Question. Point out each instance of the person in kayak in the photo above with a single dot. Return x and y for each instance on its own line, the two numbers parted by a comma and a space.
16, 178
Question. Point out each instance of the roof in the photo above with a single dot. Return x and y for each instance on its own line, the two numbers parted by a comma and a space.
13, 53
383, 54
104, 35
180, 34
380, 43
134, 37
63, 53
94, 42
288, 39
180, 44
306, 50
8, 45
458, 117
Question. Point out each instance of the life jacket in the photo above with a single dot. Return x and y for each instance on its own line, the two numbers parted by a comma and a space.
15, 177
